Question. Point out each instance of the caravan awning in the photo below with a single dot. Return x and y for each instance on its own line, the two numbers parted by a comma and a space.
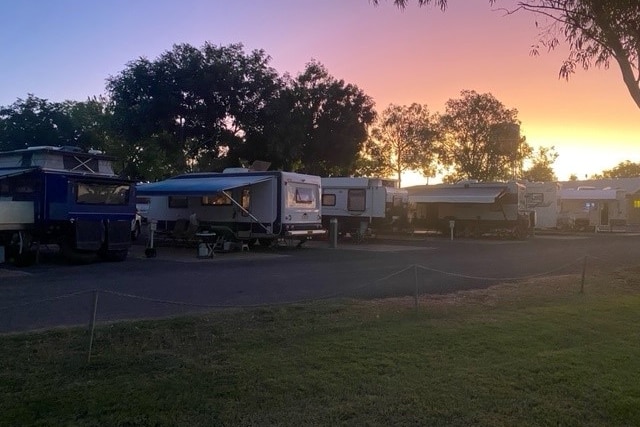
457, 195
197, 186
6, 173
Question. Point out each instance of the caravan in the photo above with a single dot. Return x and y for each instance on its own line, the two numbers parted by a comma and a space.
243, 204
67, 197
361, 204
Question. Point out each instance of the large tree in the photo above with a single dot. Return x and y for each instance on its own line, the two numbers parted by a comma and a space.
193, 106
402, 140
35, 122
596, 31
481, 139
318, 125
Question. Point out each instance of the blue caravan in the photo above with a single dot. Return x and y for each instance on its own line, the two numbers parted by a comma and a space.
62, 196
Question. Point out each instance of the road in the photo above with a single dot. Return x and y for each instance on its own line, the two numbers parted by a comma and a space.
53, 294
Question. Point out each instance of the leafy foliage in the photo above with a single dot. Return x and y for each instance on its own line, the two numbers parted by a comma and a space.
626, 169
403, 139
189, 104
541, 169
204, 109
35, 122
317, 125
471, 148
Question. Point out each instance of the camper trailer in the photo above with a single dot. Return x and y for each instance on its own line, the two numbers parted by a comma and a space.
243, 204
66, 197
363, 204
471, 208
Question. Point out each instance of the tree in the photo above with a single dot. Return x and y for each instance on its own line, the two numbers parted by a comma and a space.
35, 122
626, 169
541, 169
596, 31
477, 141
403, 139
193, 106
317, 125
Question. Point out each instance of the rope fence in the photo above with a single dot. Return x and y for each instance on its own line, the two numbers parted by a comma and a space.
398, 283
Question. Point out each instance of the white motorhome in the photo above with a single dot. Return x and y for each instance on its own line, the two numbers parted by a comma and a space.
471, 208
250, 205
360, 204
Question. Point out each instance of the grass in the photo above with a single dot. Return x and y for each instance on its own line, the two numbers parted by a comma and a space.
532, 353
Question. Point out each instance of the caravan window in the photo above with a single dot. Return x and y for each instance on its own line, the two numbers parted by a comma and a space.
178, 202
216, 200
328, 200
357, 200
102, 194
302, 196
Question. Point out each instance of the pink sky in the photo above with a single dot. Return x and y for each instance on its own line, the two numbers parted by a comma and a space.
419, 55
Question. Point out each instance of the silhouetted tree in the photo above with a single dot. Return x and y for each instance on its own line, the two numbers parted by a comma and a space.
35, 122
193, 106
595, 30
542, 166
469, 146
626, 169
317, 124
403, 139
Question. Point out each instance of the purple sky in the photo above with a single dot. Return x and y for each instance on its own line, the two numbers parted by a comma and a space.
65, 49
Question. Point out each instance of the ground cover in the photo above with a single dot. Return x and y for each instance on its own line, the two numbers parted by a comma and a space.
538, 352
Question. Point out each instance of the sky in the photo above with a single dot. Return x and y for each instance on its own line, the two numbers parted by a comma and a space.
66, 49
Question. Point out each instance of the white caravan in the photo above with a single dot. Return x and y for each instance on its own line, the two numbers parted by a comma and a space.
543, 199
360, 204
249, 205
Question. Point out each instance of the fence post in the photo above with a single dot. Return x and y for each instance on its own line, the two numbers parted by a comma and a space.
415, 276
92, 323
584, 269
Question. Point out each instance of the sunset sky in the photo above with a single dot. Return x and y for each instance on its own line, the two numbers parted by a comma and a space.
65, 49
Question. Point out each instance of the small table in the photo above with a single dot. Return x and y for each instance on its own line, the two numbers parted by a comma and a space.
209, 240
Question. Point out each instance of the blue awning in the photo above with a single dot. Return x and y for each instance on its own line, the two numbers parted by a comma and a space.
6, 173
197, 186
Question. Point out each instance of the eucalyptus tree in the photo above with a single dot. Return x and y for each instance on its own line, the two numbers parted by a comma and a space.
480, 139
403, 139
596, 31
541, 169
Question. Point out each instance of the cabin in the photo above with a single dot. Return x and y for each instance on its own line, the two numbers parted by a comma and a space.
471, 208
362, 204
245, 205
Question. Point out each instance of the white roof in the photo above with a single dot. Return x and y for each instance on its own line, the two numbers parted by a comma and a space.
457, 195
589, 194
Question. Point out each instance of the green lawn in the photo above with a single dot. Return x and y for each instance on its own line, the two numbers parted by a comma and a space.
534, 353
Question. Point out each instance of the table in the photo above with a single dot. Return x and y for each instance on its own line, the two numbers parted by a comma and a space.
208, 239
